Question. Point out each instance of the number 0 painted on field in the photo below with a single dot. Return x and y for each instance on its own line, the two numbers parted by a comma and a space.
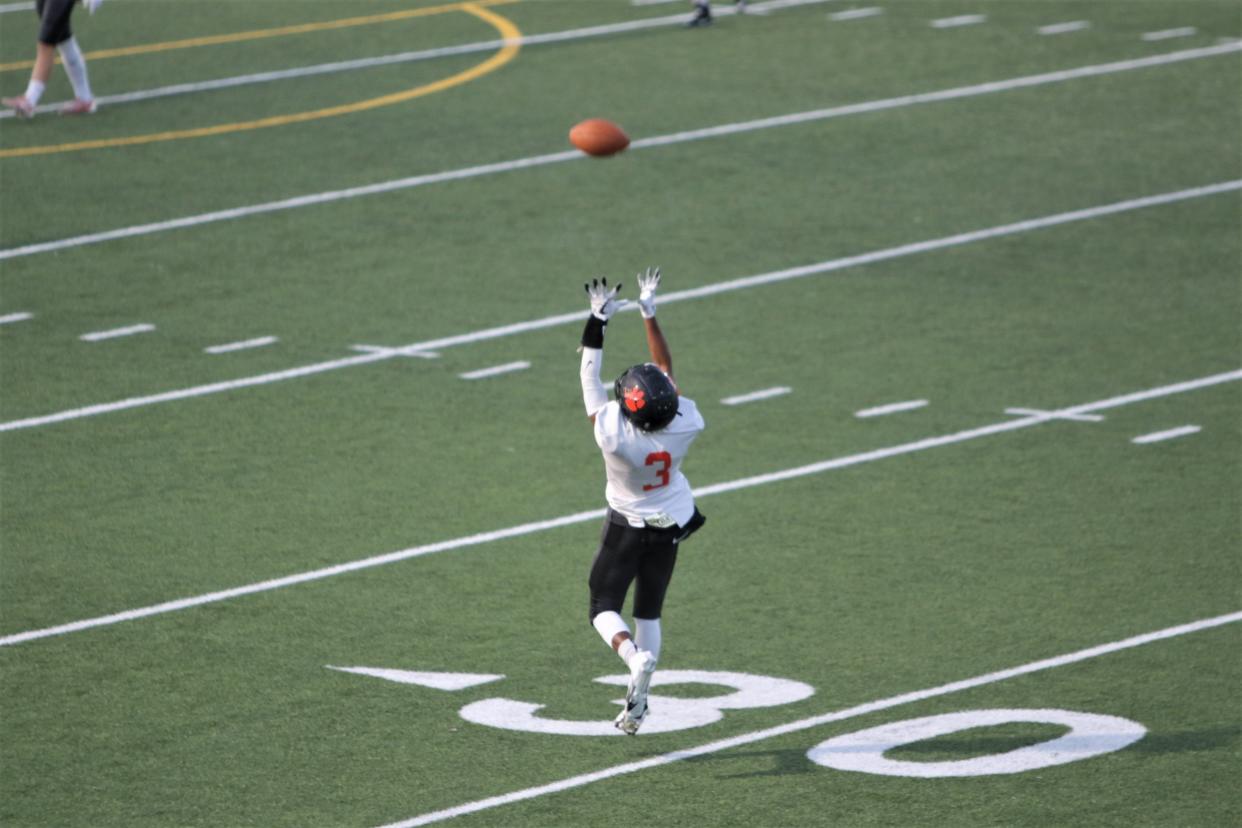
1090, 734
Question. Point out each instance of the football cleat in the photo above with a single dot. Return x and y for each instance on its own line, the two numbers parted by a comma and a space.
635, 711
79, 107
21, 106
629, 724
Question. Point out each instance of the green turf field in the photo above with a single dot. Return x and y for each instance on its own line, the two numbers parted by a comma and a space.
990, 249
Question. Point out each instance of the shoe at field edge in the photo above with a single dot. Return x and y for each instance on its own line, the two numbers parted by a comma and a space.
80, 107
21, 106
702, 17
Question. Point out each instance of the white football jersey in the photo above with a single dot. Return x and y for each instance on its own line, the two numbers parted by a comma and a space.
644, 468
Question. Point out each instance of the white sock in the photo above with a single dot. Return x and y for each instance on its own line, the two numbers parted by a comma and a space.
647, 635
34, 91
75, 66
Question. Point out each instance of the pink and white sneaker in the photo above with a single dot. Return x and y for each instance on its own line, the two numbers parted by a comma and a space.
21, 106
79, 107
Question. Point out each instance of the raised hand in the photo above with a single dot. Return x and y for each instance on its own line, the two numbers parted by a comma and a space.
603, 299
648, 282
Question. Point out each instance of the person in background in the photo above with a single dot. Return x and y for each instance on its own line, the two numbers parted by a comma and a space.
703, 12
56, 36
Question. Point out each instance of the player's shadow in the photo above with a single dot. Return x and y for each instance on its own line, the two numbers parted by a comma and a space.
783, 763
1190, 741
794, 761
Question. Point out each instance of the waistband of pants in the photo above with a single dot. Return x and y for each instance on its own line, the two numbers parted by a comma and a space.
619, 519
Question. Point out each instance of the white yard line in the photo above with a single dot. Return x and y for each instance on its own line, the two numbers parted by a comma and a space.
962, 436
1171, 434
891, 408
197, 391
1063, 28
817, 721
1054, 415
1169, 34
129, 330
298, 202
596, 514
754, 396
412, 353
244, 345
576, 317
954, 93
856, 14
958, 21
275, 75
16, 7
508, 367
21, 316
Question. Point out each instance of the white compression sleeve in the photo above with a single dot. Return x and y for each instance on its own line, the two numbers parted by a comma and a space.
647, 635
594, 396
75, 67
608, 624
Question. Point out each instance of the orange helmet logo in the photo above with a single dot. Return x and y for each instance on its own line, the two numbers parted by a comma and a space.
635, 398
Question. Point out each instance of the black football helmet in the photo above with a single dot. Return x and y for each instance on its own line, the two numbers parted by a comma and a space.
647, 397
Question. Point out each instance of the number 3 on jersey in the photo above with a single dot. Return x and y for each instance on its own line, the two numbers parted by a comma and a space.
665, 461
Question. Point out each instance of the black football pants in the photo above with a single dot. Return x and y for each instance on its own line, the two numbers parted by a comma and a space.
628, 555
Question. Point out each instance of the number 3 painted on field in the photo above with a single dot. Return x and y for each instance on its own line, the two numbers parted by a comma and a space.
666, 462
667, 713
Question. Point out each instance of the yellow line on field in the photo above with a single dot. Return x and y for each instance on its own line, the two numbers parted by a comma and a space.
508, 31
260, 34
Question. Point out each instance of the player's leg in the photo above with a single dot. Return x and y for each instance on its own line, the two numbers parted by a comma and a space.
75, 67
612, 571
647, 635
651, 585
702, 13
655, 572
24, 104
53, 29
54, 21
658, 556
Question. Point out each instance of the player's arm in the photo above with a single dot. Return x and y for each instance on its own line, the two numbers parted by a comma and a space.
603, 305
648, 283
658, 346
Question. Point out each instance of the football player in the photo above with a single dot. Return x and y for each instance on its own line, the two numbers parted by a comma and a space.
703, 12
644, 434
56, 36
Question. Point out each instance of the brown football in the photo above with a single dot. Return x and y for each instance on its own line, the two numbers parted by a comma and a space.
597, 136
